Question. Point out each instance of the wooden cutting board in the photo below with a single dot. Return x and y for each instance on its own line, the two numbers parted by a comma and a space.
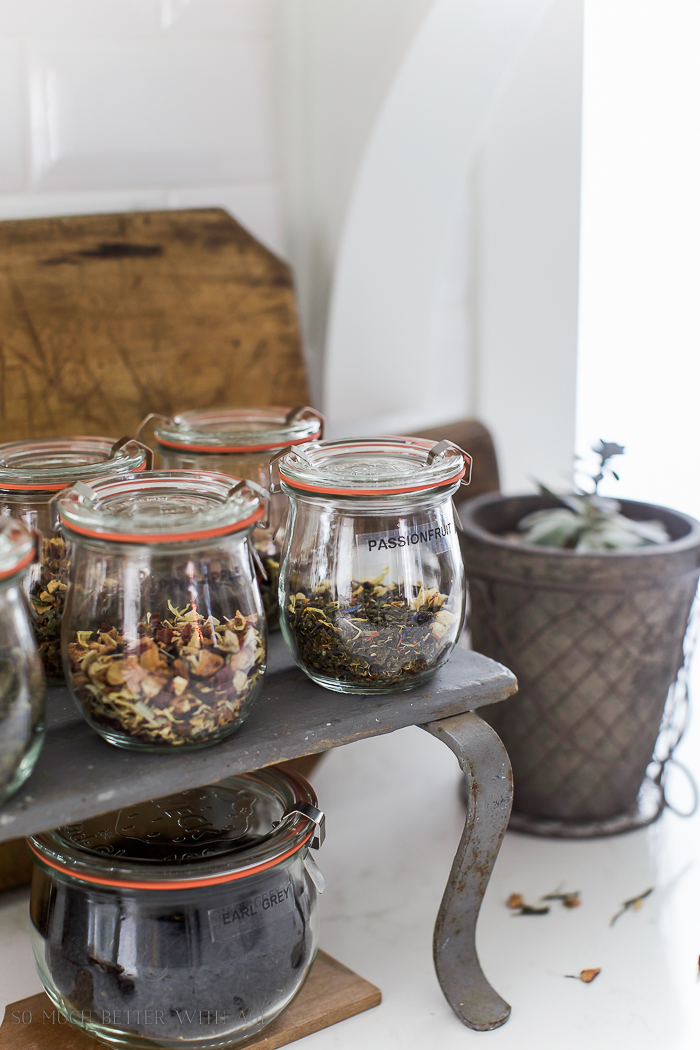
104, 318
332, 993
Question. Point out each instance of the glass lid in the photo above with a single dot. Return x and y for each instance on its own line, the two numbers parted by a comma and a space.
201, 836
238, 429
162, 506
49, 464
375, 466
17, 547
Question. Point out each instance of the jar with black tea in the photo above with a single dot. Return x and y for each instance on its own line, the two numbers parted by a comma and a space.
31, 473
372, 582
188, 921
241, 442
164, 636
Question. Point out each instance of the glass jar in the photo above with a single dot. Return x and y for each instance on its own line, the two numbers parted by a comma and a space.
22, 685
31, 473
372, 582
241, 442
188, 921
164, 639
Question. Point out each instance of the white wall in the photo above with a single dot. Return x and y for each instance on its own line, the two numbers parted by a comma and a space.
527, 186
639, 359
110, 105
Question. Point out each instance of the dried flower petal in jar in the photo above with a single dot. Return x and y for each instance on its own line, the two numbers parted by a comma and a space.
190, 920
22, 685
31, 473
372, 580
241, 442
164, 637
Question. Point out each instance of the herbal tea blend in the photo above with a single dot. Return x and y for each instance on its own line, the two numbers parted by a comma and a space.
241, 442
47, 597
371, 580
164, 632
31, 473
175, 681
377, 636
188, 920
22, 685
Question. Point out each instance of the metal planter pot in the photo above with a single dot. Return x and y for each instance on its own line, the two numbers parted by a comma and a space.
596, 641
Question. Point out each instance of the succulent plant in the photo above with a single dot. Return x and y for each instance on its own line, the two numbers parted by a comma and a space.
585, 521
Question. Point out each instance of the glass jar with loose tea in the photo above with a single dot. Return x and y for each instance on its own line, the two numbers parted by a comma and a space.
372, 583
31, 473
164, 638
22, 685
241, 442
186, 921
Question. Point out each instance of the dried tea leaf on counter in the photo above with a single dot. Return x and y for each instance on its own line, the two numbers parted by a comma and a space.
589, 975
515, 900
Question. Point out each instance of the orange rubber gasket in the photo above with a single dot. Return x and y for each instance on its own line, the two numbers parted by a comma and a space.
180, 884
10, 487
222, 530
371, 492
19, 566
225, 449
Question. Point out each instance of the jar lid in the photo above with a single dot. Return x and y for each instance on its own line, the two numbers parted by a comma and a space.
162, 506
49, 464
378, 466
202, 837
238, 429
17, 547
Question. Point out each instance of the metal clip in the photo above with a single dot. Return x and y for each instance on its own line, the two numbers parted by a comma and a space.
316, 816
54, 516
147, 419
442, 447
262, 494
300, 411
271, 487
134, 441
256, 563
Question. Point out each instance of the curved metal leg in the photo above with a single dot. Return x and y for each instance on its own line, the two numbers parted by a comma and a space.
485, 764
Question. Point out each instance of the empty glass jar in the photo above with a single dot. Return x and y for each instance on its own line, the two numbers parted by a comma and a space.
241, 442
164, 638
188, 921
22, 686
372, 583
31, 473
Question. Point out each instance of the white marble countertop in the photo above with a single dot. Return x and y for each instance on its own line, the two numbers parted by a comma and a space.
385, 879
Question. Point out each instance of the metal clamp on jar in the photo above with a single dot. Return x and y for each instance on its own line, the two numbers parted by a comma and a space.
31, 473
164, 637
240, 442
22, 685
187, 921
372, 582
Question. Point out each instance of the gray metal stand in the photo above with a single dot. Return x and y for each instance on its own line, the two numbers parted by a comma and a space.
486, 766
79, 775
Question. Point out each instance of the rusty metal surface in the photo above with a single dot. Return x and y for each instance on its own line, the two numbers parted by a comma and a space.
489, 790
79, 775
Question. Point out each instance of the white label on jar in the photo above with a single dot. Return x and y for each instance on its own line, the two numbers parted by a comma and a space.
435, 538
251, 912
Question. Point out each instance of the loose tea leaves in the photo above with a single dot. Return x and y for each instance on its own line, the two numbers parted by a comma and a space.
635, 903
586, 975
173, 682
569, 900
376, 636
46, 598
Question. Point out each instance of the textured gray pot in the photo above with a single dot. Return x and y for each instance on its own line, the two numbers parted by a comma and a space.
596, 641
